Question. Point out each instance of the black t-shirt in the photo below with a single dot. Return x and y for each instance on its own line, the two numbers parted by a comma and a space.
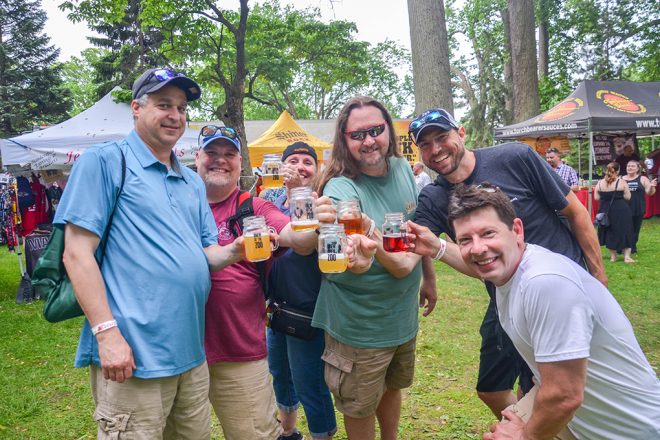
535, 189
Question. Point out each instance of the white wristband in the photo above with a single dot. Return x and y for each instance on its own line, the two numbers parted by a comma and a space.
372, 227
107, 325
441, 251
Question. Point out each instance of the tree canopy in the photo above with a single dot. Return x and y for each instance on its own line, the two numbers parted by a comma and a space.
31, 90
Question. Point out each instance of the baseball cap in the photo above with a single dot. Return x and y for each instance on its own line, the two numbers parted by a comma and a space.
299, 148
155, 79
210, 133
435, 117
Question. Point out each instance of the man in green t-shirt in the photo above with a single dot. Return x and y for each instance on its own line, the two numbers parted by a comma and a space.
370, 319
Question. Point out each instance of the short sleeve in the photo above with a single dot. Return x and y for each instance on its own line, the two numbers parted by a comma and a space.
560, 318
90, 193
340, 188
274, 217
431, 210
545, 181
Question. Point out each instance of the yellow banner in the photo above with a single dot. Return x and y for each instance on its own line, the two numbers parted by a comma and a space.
407, 148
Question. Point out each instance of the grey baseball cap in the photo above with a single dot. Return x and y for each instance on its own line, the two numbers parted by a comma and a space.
155, 79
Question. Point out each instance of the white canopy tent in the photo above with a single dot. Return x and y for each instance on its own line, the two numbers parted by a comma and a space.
57, 147
60, 145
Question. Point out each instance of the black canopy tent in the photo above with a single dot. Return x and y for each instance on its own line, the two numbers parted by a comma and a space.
593, 107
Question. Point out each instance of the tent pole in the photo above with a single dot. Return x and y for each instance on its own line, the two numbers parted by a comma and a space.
579, 141
591, 169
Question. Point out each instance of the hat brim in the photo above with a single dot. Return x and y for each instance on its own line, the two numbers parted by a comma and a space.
443, 127
189, 87
215, 137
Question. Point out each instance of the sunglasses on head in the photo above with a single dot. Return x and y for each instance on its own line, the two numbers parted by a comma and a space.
360, 135
487, 187
211, 130
161, 75
437, 115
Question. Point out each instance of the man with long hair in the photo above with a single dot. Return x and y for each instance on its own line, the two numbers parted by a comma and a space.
370, 319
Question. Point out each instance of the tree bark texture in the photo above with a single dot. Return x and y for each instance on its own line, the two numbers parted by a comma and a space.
544, 38
430, 55
508, 69
523, 57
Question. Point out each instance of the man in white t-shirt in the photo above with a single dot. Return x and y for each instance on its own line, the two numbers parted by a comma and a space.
593, 381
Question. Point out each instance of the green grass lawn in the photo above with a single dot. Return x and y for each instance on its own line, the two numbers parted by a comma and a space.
43, 397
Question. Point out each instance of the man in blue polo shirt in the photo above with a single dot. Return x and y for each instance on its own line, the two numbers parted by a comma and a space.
144, 333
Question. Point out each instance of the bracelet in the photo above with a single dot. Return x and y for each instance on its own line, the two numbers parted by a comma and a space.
372, 227
442, 250
107, 325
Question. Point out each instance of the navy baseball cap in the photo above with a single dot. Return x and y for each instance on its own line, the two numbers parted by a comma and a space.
435, 117
210, 133
155, 79
299, 148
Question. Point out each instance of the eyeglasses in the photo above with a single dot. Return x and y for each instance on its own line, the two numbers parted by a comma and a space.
360, 135
211, 130
438, 116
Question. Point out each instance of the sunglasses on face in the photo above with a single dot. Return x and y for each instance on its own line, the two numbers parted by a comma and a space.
360, 135
438, 116
211, 130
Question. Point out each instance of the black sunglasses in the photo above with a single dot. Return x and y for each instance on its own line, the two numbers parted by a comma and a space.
211, 130
360, 135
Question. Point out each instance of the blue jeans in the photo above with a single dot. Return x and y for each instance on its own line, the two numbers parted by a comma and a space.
297, 371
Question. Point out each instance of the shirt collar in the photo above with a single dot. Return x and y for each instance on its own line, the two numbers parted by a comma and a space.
147, 158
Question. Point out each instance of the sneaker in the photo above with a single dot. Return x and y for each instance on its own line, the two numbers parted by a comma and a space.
295, 435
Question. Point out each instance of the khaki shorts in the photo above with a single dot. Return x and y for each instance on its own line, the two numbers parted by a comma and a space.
524, 408
244, 401
358, 377
175, 407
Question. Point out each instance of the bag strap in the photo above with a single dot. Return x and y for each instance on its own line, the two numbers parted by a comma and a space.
245, 208
106, 232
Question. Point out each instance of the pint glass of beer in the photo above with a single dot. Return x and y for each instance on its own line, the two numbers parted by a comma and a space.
395, 234
270, 176
350, 215
332, 248
302, 210
256, 239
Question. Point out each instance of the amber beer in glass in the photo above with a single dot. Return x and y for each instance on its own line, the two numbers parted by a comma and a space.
270, 172
302, 210
332, 249
256, 239
395, 235
350, 215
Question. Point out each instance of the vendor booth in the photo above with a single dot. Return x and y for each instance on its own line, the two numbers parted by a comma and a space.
607, 107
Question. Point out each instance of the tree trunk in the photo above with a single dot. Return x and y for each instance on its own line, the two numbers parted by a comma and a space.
508, 69
430, 55
544, 38
523, 57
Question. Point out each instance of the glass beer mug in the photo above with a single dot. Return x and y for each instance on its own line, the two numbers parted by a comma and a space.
350, 215
270, 171
302, 209
332, 248
256, 239
395, 234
